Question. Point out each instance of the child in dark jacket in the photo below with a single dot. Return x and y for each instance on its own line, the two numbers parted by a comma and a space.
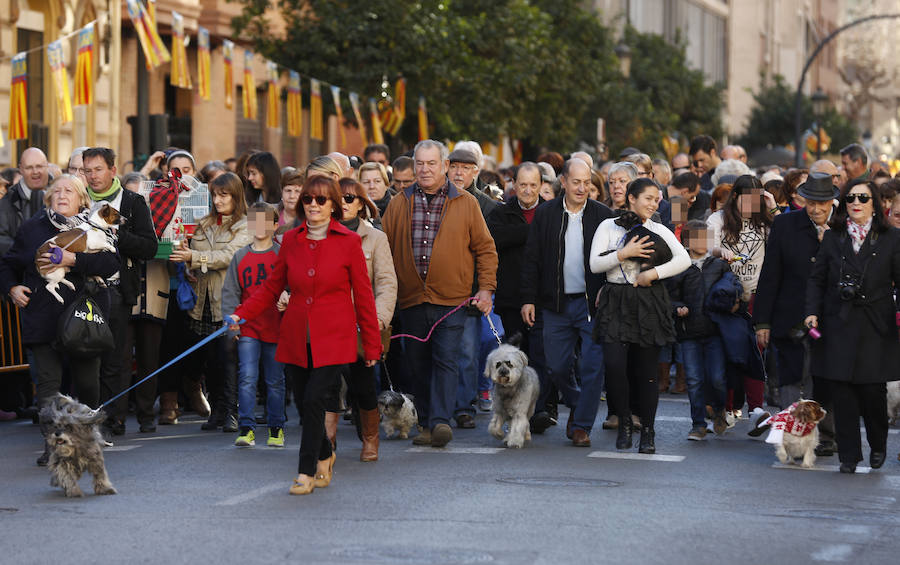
701, 345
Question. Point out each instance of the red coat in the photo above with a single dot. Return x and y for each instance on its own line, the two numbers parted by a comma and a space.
324, 277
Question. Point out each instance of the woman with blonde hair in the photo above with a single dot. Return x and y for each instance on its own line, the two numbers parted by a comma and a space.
324, 166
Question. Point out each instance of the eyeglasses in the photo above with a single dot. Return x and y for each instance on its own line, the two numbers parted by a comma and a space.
863, 198
307, 199
349, 198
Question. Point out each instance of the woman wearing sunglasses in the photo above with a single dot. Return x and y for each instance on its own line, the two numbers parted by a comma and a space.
331, 295
850, 301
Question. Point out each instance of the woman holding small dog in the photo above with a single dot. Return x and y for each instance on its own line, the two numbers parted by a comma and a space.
634, 313
331, 296
850, 301
20, 280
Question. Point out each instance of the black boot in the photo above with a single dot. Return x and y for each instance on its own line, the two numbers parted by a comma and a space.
647, 445
623, 439
216, 418
230, 423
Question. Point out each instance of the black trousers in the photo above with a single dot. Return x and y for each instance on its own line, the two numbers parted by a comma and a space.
115, 365
144, 337
218, 362
361, 385
630, 367
850, 402
176, 339
85, 373
314, 387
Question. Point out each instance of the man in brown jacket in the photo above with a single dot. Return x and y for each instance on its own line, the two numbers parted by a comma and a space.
438, 240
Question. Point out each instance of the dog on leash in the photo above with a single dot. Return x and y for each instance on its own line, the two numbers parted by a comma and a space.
75, 445
398, 413
516, 389
87, 237
795, 432
893, 402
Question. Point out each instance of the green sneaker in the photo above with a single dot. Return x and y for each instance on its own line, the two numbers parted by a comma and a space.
276, 437
246, 439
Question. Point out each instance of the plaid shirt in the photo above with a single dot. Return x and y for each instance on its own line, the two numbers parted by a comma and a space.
426, 221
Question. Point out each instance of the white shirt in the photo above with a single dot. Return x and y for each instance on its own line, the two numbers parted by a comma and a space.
610, 237
751, 245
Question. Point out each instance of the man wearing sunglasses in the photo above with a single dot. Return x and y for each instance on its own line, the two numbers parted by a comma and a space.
704, 160
439, 241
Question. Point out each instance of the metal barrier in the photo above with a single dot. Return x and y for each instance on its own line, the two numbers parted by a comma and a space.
12, 352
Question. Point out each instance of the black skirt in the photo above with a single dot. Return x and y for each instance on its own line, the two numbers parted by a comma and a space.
639, 315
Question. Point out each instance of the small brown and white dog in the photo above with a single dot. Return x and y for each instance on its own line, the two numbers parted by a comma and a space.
75, 444
398, 413
795, 432
87, 237
516, 388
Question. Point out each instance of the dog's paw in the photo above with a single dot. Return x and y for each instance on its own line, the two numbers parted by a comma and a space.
404, 435
73, 493
515, 443
106, 489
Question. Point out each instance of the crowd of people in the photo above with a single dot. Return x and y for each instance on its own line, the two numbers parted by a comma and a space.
620, 280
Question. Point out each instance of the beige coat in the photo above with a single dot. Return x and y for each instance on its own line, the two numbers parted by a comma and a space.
209, 262
381, 270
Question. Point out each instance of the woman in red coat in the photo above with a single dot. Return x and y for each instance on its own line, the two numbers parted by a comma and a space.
322, 262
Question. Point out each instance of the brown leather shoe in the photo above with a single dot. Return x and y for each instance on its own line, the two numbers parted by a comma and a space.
663, 377
168, 408
198, 399
368, 420
331, 423
680, 382
580, 438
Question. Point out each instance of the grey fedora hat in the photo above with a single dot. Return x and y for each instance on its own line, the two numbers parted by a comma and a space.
818, 187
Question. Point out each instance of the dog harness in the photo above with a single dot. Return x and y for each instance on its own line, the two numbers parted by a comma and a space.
784, 422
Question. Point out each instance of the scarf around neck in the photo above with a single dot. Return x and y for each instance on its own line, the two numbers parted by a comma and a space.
108, 193
858, 233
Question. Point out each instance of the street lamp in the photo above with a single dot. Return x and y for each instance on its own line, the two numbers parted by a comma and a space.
623, 52
819, 101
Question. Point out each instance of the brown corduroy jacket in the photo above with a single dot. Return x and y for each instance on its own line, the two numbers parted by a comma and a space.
462, 245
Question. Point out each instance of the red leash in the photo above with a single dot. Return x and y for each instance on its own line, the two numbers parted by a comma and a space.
444, 317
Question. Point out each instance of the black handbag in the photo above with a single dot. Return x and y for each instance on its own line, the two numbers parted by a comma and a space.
84, 328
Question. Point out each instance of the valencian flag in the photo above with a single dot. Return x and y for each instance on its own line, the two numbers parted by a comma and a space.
18, 103
393, 112
360, 122
179, 75
336, 96
377, 136
155, 53
315, 110
203, 63
84, 66
423, 119
294, 105
272, 96
60, 81
228, 55
249, 98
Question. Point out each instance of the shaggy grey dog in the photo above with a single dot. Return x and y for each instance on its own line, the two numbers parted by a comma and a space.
516, 388
398, 413
893, 401
75, 444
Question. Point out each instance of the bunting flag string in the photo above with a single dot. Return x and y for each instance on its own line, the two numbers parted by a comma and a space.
203, 63
272, 96
155, 53
84, 67
249, 95
377, 135
336, 96
179, 75
394, 111
228, 55
18, 99
315, 110
60, 81
360, 122
294, 105
423, 119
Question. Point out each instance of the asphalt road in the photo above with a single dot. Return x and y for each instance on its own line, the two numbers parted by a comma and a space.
187, 495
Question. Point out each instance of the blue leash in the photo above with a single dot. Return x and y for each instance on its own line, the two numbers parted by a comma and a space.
190, 350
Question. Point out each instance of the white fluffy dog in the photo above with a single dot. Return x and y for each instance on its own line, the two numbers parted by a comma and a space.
516, 388
398, 413
795, 432
893, 401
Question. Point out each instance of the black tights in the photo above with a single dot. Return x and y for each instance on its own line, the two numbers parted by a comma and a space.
314, 387
632, 367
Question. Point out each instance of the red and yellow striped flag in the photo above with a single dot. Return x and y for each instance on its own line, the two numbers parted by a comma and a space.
84, 67
228, 55
155, 53
249, 98
204, 85
18, 99
394, 111
377, 135
179, 75
294, 105
336, 97
272, 96
60, 82
423, 119
360, 122
315, 110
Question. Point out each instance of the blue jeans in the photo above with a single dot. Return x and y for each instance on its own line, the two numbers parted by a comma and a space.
704, 369
434, 365
249, 352
467, 387
561, 333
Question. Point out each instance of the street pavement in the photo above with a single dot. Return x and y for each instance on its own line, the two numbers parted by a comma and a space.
187, 495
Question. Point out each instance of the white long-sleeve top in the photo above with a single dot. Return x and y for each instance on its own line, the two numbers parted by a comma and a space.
751, 245
610, 237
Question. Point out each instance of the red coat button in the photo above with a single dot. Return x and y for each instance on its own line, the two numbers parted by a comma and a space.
311, 272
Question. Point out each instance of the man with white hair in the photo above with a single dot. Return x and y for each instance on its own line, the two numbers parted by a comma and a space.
584, 156
343, 162
826, 166
730, 167
25, 198
735, 152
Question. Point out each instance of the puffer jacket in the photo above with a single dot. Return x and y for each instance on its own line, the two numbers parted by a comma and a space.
689, 289
211, 251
